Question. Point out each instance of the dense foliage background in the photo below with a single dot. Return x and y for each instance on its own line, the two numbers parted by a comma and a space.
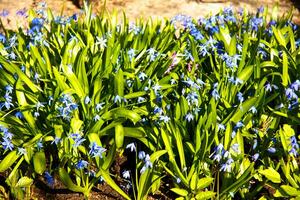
209, 106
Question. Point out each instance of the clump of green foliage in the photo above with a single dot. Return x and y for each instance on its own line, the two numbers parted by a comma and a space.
211, 106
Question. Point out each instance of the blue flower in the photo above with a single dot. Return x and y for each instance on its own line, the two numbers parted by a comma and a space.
156, 88
81, 164
269, 87
134, 29
235, 147
254, 144
22, 151
164, 118
271, 150
255, 157
239, 124
2, 38
118, 99
253, 110
141, 99
294, 146
49, 179
290, 94
39, 145
99, 106
142, 76
141, 155
56, 140
296, 85
96, 150
240, 97
4, 13
189, 117
255, 23
221, 127
260, 9
215, 94
147, 163
101, 41
19, 115
131, 54
7, 134
7, 144
87, 100
22, 12
96, 118
158, 110
226, 167
78, 140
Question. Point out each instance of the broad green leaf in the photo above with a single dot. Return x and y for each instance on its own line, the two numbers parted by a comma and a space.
242, 109
39, 162
119, 135
271, 175
204, 182
205, 195
111, 183
24, 182
290, 190
194, 181
179, 191
67, 181
9, 160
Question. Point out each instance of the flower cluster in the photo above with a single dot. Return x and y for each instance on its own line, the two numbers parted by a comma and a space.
6, 139
66, 106
8, 100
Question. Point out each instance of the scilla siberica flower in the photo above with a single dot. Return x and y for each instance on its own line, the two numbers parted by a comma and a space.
96, 150
126, 174
215, 92
218, 153
294, 146
147, 164
81, 164
131, 146
77, 139
49, 178
66, 107
131, 54
226, 167
189, 117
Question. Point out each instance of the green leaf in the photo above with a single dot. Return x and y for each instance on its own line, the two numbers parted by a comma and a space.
194, 181
24, 182
179, 191
119, 83
9, 160
39, 162
204, 182
67, 181
241, 110
205, 195
271, 175
290, 190
111, 183
119, 135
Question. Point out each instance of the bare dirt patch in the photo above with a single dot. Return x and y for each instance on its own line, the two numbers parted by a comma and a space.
146, 8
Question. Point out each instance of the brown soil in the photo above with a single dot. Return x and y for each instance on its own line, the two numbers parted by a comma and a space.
148, 8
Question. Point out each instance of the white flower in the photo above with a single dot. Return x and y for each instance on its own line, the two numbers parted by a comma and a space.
101, 41
131, 146
126, 174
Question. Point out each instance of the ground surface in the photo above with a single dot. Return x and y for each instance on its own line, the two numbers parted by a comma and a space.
147, 8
